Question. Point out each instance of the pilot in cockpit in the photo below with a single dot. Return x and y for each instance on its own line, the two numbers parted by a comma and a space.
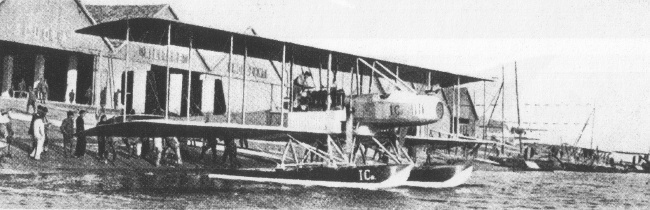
301, 84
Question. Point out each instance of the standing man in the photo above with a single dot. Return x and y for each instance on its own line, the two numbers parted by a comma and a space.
37, 129
47, 124
172, 143
158, 149
209, 143
22, 86
71, 94
243, 143
230, 152
89, 95
80, 149
101, 141
46, 90
31, 100
67, 129
116, 98
102, 98
7, 131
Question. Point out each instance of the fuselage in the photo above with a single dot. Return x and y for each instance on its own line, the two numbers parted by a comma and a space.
397, 109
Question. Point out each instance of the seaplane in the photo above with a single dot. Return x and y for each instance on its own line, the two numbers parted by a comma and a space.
348, 126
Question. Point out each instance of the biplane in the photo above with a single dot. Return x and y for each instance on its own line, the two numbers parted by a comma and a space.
349, 126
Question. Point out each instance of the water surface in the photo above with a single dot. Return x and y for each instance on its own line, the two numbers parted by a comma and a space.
485, 190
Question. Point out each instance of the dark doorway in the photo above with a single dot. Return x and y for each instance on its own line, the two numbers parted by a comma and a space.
195, 95
56, 74
23, 63
219, 101
85, 68
156, 90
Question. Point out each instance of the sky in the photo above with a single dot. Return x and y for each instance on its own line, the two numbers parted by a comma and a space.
572, 57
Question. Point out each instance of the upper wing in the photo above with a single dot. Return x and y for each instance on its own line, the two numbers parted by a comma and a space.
163, 128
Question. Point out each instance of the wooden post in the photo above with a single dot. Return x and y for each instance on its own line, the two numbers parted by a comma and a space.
351, 76
484, 108
282, 88
372, 75
457, 106
126, 72
360, 79
169, 29
94, 97
292, 96
358, 84
429, 80
229, 110
329, 69
189, 79
243, 81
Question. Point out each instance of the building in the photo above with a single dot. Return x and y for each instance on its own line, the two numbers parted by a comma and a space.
38, 42
467, 117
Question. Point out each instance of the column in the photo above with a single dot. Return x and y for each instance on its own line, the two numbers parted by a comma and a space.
39, 69
71, 84
7, 74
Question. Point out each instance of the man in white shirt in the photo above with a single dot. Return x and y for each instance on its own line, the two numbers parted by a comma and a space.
38, 133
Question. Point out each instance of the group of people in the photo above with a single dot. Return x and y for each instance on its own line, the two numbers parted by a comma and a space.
229, 153
157, 147
145, 147
38, 131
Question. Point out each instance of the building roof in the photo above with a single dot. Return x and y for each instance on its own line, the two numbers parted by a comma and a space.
49, 24
107, 13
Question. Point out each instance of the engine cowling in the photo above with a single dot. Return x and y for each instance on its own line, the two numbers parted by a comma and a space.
397, 109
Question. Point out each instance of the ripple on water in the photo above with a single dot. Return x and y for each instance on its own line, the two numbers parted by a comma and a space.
484, 190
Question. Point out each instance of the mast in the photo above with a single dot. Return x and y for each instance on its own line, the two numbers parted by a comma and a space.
503, 108
521, 147
593, 123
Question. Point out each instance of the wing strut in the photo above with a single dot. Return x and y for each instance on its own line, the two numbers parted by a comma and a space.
383, 75
381, 146
396, 77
